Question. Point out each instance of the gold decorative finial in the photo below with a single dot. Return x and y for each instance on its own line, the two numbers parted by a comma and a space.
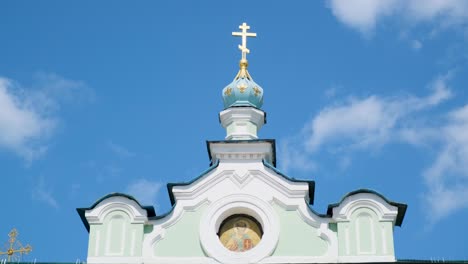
244, 34
11, 251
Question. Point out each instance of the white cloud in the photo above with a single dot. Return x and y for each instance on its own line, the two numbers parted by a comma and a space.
120, 150
371, 121
447, 177
144, 191
21, 126
28, 117
293, 156
43, 194
363, 15
363, 121
344, 163
50, 91
331, 92
416, 44
455, 11
374, 121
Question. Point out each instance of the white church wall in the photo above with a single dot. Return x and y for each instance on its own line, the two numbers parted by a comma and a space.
360, 230
365, 228
116, 236
116, 230
290, 228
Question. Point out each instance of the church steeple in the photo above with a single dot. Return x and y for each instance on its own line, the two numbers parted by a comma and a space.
243, 91
242, 98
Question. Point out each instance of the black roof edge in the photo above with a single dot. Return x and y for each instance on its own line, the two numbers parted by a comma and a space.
81, 211
271, 141
309, 182
171, 184
401, 207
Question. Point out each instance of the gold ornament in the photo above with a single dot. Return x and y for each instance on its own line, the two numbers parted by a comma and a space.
11, 251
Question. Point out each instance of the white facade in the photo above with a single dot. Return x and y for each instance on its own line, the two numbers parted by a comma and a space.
242, 181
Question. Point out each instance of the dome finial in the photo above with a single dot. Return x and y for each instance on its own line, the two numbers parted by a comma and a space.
243, 73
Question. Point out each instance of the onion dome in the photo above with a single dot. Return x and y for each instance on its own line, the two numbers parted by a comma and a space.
243, 91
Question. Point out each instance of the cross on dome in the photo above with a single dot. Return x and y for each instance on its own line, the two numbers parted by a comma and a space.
244, 34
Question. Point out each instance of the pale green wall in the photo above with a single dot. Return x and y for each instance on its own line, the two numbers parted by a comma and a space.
365, 233
297, 238
116, 236
182, 239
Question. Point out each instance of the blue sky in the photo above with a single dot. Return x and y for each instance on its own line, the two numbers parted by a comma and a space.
107, 96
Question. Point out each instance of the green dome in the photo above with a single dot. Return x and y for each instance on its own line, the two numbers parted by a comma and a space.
243, 91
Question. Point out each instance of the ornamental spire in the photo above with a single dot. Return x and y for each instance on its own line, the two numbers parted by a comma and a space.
242, 116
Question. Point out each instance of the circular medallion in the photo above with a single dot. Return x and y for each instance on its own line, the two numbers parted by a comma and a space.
256, 218
240, 233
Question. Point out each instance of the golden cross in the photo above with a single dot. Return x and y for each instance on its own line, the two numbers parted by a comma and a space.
244, 34
11, 251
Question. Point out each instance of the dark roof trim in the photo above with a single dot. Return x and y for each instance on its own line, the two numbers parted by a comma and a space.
170, 185
401, 207
310, 183
81, 211
271, 141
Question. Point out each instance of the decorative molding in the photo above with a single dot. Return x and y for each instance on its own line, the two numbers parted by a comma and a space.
114, 260
359, 238
254, 151
132, 243
110, 237
384, 239
298, 259
97, 215
97, 242
179, 260
384, 211
240, 156
313, 220
161, 225
348, 243
282, 190
360, 259
241, 179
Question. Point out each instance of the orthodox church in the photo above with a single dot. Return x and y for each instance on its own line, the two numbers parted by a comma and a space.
242, 209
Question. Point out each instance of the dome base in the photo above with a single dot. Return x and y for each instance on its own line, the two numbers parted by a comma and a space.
242, 122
